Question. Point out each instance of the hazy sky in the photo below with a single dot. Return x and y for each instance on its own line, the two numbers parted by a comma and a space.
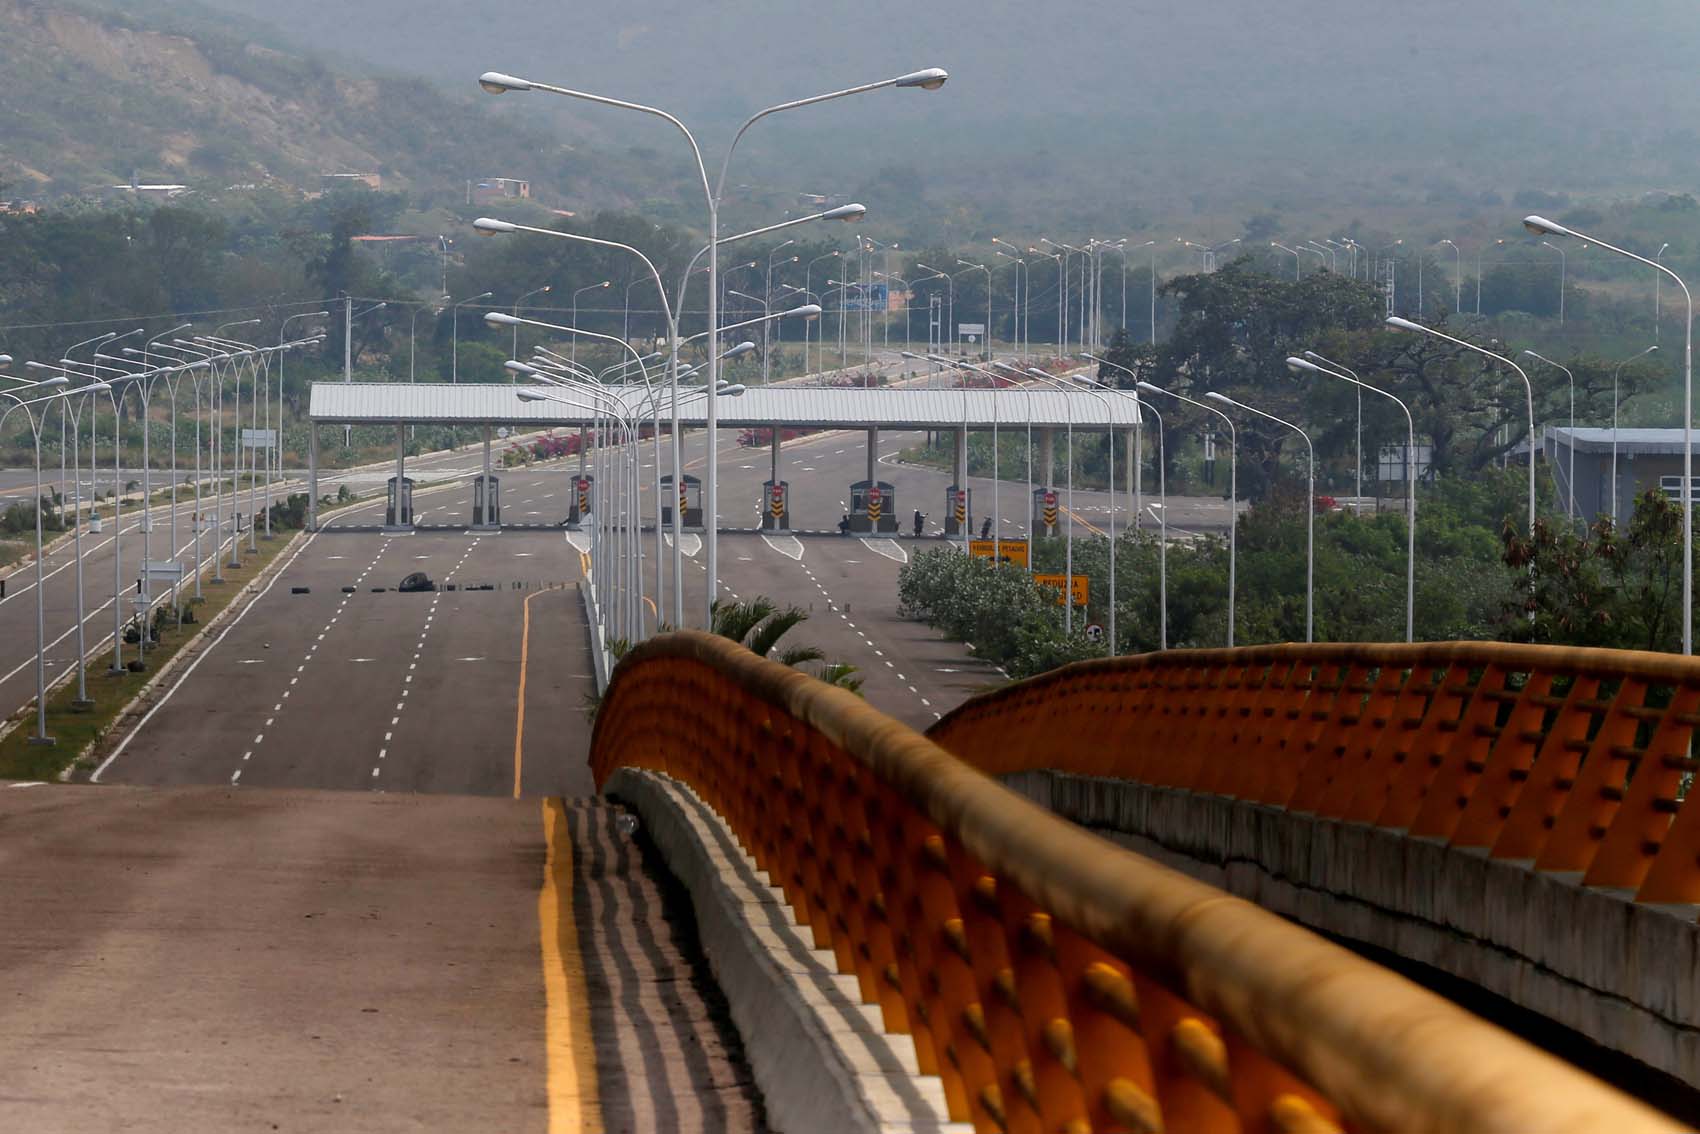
1166, 100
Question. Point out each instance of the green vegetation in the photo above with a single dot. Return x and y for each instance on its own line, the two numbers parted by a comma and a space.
759, 624
1476, 579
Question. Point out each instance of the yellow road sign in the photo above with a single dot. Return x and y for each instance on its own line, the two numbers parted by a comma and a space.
1013, 551
1078, 588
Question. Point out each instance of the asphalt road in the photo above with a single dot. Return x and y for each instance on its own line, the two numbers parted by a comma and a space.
365, 690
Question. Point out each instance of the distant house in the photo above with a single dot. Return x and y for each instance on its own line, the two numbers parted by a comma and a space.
155, 192
19, 208
330, 181
498, 189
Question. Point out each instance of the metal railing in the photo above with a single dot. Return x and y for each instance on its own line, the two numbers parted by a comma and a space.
1576, 761
1053, 981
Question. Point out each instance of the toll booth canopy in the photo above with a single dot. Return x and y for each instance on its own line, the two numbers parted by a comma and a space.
873, 507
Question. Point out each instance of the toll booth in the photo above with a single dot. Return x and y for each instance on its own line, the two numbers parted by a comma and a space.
873, 507
776, 506
583, 494
486, 501
688, 499
398, 511
958, 510
1046, 511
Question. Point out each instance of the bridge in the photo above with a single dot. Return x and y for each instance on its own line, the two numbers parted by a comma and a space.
358, 864
904, 943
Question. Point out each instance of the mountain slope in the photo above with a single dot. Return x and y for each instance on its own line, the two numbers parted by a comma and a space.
90, 97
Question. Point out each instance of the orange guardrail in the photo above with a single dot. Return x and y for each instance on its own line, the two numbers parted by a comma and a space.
1053, 981
1574, 760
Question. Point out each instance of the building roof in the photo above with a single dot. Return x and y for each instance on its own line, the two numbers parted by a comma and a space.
796, 407
1653, 442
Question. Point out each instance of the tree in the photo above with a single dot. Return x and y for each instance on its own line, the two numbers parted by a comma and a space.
1602, 587
758, 625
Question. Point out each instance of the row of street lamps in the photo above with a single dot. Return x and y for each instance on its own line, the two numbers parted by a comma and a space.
207, 358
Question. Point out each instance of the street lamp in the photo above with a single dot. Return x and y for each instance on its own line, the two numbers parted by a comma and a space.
1359, 392
1480, 252
454, 332
413, 329
1540, 226
1296, 257
544, 290
573, 353
1570, 474
1140, 407
1457, 277
1233, 490
1616, 371
494, 82
56, 384
1301, 366
1658, 279
1310, 506
1528, 388
808, 286
988, 334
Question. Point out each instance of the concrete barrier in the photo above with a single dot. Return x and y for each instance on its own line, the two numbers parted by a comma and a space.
820, 1056
1619, 973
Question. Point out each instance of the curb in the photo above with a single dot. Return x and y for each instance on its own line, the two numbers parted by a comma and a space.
820, 1056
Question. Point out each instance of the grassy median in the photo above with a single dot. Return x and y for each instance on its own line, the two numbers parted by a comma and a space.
72, 729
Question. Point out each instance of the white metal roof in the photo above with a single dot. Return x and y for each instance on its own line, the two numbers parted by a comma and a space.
373, 403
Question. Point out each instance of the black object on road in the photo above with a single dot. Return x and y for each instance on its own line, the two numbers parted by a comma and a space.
920, 520
418, 581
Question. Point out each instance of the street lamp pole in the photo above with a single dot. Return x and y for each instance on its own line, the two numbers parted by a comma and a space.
1233, 490
1457, 277
454, 332
1310, 506
1616, 372
1528, 389
1359, 391
521, 300
1302, 366
1570, 473
1540, 226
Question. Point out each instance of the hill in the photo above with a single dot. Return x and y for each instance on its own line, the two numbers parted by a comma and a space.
92, 96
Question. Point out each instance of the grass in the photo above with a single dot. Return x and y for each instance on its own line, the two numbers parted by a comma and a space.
75, 730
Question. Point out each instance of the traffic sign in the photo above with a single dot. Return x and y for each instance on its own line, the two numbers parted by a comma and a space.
1078, 589
1050, 511
1094, 633
776, 502
961, 506
1012, 551
875, 503
259, 438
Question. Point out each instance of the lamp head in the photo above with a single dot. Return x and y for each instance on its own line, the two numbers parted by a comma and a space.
1650, 350
518, 367
741, 349
911, 355
5, 360
807, 311
1300, 366
501, 319
733, 391
930, 79
1223, 398
1399, 324
1540, 226
490, 226
56, 380
526, 395
95, 388
1037, 373
494, 82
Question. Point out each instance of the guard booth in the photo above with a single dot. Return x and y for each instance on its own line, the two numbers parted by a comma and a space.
873, 507
776, 506
583, 491
486, 501
398, 512
688, 499
958, 509
1045, 511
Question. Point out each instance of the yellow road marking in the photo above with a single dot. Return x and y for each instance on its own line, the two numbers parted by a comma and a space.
1083, 521
574, 1107
519, 713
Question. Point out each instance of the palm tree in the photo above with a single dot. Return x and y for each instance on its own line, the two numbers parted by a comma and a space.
758, 625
